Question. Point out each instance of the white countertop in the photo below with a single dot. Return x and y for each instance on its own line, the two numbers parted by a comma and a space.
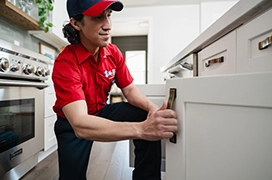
239, 14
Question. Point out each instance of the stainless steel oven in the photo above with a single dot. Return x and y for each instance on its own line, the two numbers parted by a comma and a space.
22, 76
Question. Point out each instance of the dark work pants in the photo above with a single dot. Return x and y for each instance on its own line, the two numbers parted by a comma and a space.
74, 153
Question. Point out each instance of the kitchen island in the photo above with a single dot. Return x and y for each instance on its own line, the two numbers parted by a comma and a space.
225, 111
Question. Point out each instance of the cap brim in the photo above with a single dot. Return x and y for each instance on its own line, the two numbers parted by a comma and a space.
100, 7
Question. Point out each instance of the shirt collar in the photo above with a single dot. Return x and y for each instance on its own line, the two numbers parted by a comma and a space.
82, 54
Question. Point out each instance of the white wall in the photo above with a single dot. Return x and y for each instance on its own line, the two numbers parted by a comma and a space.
211, 11
171, 28
59, 18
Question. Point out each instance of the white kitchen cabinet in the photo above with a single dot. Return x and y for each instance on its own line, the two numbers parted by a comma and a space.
50, 138
219, 57
241, 50
155, 92
225, 114
49, 115
49, 101
224, 128
249, 57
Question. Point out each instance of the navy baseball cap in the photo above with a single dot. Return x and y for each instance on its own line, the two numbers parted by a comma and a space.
91, 7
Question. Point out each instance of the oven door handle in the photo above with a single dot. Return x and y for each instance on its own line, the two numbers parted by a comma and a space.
39, 85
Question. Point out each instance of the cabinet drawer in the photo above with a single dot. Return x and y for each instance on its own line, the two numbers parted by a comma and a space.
219, 57
251, 58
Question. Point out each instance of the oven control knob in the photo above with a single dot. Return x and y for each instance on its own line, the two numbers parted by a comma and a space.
14, 67
4, 64
39, 71
28, 69
46, 72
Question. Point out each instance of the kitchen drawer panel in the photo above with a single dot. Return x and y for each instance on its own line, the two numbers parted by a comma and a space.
219, 57
49, 101
249, 57
49, 134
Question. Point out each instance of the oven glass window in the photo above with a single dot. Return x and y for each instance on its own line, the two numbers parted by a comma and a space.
16, 122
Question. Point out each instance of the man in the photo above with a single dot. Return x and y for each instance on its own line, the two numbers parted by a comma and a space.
83, 74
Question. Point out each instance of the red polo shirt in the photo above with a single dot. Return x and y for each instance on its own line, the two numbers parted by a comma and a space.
77, 76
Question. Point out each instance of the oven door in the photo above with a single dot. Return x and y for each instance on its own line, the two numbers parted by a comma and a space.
21, 122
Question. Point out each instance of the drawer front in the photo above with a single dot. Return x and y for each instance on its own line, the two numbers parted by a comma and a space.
49, 134
219, 57
251, 57
49, 101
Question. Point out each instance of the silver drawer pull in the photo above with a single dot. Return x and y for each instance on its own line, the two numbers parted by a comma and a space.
187, 66
265, 43
213, 61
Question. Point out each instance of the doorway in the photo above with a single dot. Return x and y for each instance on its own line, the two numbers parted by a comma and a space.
135, 51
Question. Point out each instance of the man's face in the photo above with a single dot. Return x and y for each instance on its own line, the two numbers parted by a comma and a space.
95, 31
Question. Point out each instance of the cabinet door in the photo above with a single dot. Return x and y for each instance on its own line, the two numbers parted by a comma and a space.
49, 95
49, 100
49, 134
252, 57
224, 128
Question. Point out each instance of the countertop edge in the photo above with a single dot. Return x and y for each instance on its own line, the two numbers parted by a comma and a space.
240, 13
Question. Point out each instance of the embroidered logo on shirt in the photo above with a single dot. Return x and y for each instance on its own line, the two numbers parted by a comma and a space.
110, 74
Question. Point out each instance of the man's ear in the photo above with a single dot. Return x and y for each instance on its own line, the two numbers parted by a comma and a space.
74, 23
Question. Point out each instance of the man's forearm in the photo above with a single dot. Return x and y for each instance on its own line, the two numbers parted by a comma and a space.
100, 129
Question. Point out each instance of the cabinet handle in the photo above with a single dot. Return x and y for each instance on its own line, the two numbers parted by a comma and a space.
265, 43
213, 61
183, 66
187, 66
171, 99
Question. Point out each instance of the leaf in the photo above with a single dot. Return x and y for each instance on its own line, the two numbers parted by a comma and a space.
49, 24
42, 12
50, 8
50, 1
46, 29
43, 18
44, 6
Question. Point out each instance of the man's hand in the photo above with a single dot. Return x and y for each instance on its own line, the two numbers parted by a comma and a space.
160, 124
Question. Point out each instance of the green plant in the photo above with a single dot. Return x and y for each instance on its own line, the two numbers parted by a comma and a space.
44, 7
